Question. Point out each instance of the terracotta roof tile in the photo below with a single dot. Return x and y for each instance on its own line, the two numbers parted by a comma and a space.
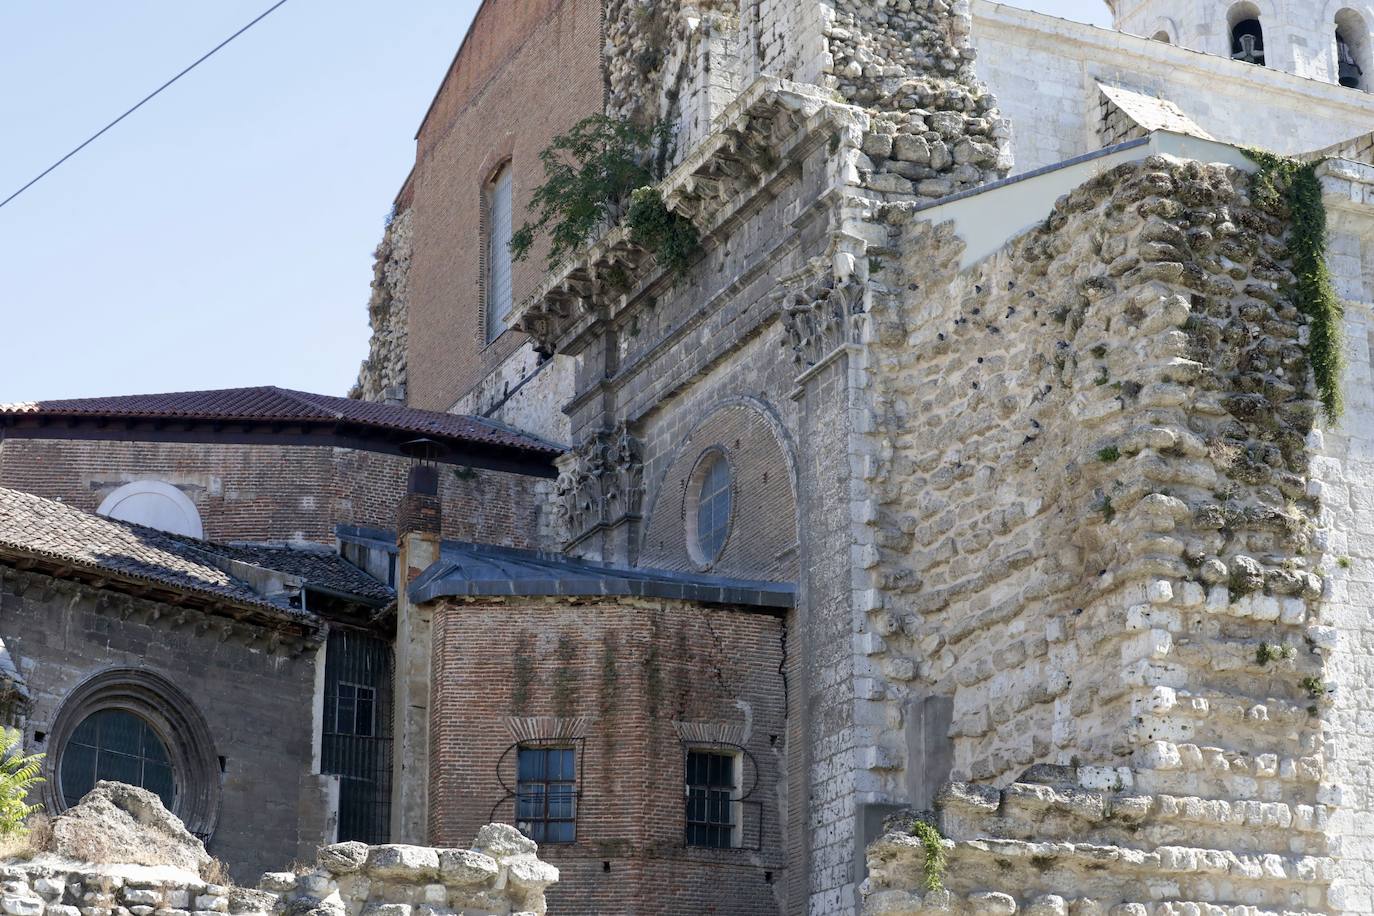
41, 527
268, 403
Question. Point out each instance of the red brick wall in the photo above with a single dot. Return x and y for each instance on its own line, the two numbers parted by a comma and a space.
632, 671
528, 71
267, 492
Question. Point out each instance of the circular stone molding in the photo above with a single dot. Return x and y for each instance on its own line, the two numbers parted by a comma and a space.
171, 715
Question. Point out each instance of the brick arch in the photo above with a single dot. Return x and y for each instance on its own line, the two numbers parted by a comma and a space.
763, 538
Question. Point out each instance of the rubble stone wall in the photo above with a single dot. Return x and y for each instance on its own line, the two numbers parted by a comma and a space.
383, 374
1095, 535
501, 874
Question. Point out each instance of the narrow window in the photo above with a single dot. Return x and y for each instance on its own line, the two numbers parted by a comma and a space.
712, 799
498, 278
546, 794
1352, 49
710, 522
1247, 35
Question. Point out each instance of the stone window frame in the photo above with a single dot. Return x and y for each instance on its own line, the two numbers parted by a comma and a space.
172, 716
504, 164
699, 737
691, 502
736, 756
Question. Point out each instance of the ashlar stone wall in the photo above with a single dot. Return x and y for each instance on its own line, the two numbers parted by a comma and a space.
1094, 534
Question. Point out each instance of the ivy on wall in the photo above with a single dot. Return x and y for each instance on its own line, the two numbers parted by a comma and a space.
1284, 184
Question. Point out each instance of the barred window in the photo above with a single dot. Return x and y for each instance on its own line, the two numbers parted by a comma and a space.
355, 709
498, 280
546, 794
116, 745
712, 805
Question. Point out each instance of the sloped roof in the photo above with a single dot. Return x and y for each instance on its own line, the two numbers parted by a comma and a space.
483, 570
297, 417
321, 569
43, 528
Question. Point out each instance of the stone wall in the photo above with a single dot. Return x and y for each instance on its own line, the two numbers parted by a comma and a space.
255, 771
500, 874
383, 374
1095, 536
61, 888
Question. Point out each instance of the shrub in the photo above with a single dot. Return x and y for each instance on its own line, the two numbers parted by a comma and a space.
18, 774
589, 173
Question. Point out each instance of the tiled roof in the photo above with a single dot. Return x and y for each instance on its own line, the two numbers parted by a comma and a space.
483, 570
271, 404
319, 568
45, 528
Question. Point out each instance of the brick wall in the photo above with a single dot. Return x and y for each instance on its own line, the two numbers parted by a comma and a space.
266, 492
526, 72
621, 680
62, 633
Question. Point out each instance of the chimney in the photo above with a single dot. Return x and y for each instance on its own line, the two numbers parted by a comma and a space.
419, 524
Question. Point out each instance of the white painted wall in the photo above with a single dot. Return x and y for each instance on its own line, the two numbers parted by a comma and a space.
1044, 73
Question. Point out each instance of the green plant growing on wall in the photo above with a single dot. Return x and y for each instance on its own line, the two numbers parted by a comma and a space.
1270, 652
933, 878
670, 236
1281, 181
1313, 687
1109, 454
18, 773
592, 174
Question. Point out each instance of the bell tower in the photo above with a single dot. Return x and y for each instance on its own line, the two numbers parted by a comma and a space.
1327, 40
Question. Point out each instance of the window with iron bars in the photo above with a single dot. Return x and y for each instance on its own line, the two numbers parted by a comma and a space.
546, 794
712, 799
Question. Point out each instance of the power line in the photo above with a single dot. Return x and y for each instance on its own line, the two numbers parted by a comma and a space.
146, 99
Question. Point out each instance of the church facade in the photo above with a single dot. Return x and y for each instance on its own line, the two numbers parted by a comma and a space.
975, 523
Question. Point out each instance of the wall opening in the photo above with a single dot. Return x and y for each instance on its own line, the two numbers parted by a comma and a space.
1247, 34
154, 504
1163, 36
497, 287
1352, 50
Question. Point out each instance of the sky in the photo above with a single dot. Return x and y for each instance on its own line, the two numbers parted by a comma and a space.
222, 235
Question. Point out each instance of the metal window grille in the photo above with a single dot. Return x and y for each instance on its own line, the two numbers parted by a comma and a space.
117, 745
356, 745
712, 799
546, 794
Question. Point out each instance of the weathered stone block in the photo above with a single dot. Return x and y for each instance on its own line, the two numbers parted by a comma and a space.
342, 858
399, 862
463, 867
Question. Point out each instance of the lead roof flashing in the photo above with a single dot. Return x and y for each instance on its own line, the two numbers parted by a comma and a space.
466, 570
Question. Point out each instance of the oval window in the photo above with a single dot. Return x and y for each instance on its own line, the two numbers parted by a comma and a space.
116, 745
709, 524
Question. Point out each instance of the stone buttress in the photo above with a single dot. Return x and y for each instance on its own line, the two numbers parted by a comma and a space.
1094, 537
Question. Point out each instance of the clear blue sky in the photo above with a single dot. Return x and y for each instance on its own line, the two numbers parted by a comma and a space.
222, 235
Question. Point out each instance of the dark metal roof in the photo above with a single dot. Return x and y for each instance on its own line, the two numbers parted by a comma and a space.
269, 415
321, 569
481, 570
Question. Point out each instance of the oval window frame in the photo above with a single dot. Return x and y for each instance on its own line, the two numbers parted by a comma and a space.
692, 503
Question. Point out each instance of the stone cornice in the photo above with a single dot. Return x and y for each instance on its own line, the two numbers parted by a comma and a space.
757, 142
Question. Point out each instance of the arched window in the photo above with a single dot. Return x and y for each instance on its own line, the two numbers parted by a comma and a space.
1247, 35
154, 504
497, 276
1163, 36
1352, 49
